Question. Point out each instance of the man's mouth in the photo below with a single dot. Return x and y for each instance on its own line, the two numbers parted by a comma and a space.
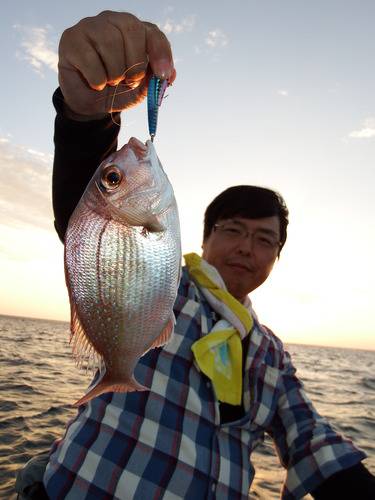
241, 266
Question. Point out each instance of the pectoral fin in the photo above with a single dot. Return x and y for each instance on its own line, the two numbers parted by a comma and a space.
150, 222
153, 225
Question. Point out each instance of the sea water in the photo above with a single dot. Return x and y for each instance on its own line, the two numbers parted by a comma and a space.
39, 380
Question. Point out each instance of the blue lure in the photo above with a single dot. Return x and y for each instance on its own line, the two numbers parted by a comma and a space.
155, 94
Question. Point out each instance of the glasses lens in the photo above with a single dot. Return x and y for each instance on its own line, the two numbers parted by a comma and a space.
233, 230
264, 241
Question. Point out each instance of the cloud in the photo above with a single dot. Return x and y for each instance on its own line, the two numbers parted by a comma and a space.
283, 92
37, 48
216, 38
185, 25
169, 8
366, 132
25, 187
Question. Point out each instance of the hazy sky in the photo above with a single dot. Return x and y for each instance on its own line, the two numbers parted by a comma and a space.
269, 92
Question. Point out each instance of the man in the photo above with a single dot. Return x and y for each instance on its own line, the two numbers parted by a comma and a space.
188, 437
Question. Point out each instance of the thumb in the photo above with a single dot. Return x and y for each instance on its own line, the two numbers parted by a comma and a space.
124, 96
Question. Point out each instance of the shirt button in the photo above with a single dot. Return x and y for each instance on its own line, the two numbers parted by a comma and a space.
213, 487
208, 385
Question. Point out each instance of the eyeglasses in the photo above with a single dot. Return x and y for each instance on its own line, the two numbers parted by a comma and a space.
261, 239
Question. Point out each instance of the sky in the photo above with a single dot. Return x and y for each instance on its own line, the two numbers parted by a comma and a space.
274, 93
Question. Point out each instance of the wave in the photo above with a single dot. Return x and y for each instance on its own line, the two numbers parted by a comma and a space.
8, 405
16, 422
15, 361
52, 410
368, 382
23, 388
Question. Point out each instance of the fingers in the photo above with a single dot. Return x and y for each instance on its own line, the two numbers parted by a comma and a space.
116, 50
133, 34
121, 41
159, 52
172, 77
83, 57
96, 48
123, 97
108, 42
143, 43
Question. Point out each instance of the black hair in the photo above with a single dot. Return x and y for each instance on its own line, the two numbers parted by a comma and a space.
250, 202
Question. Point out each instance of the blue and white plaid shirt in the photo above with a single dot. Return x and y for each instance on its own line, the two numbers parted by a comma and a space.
168, 443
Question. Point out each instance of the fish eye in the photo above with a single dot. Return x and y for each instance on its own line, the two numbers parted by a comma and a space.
111, 177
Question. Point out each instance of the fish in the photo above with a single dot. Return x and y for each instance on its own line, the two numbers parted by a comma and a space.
122, 259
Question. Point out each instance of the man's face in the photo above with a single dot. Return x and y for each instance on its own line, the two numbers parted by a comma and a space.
243, 251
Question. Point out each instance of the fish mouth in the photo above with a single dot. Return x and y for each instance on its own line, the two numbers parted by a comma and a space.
141, 150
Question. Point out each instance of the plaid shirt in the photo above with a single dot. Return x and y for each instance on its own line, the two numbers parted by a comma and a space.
168, 443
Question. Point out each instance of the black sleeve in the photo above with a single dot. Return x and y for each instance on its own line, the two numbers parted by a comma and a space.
79, 149
349, 484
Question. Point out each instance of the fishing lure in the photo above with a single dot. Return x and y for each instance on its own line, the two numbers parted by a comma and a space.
155, 94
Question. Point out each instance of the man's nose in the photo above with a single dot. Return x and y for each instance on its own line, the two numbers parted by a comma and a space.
246, 244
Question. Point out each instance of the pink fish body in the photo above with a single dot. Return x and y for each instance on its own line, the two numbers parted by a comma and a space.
122, 266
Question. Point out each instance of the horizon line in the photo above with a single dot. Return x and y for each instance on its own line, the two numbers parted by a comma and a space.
284, 342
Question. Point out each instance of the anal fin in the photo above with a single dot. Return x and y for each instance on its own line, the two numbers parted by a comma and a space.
165, 334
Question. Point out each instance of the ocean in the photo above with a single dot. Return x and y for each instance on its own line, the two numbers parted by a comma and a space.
39, 381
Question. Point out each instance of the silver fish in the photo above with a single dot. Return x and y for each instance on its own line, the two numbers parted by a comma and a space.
122, 265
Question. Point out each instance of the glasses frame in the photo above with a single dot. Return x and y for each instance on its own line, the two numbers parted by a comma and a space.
245, 233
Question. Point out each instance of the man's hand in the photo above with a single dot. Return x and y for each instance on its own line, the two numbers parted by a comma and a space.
99, 52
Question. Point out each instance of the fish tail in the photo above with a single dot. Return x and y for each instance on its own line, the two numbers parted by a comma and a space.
107, 384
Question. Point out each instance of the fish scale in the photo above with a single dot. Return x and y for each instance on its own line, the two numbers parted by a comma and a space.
122, 278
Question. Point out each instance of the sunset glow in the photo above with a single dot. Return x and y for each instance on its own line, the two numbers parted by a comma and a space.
256, 101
